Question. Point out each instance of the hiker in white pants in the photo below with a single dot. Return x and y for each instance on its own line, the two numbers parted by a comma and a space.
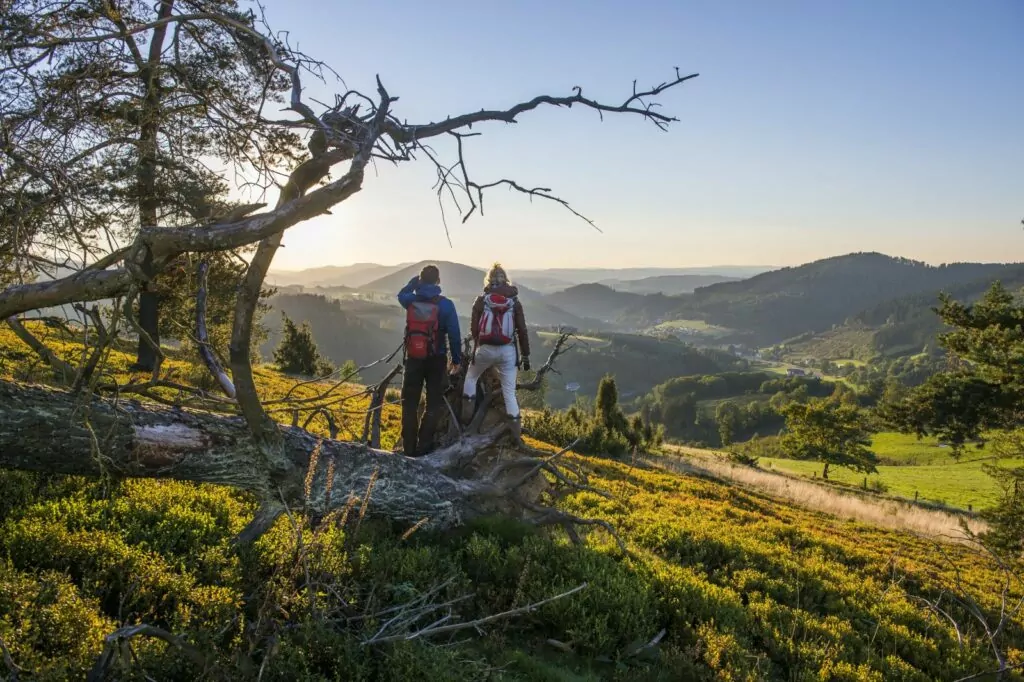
504, 359
500, 340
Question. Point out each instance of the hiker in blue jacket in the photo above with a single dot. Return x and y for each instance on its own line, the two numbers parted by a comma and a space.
431, 328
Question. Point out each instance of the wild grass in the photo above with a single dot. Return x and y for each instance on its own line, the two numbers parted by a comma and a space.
909, 450
18, 361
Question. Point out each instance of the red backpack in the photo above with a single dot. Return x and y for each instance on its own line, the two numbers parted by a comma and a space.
497, 322
422, 335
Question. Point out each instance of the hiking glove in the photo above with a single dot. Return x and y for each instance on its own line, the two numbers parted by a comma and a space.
526, 363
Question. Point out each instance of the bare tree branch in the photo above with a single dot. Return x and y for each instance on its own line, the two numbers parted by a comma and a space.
116, 643
371, 427
63, 372
559, 349
12, 668
634, 104
441, 625
103, 340
263, 427
202, 336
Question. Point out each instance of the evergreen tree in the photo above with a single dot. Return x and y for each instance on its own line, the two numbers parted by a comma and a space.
297, 353
635, 432
124, 126
983, 392
607, 406
349, 371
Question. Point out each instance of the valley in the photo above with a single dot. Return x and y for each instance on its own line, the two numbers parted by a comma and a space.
744, 401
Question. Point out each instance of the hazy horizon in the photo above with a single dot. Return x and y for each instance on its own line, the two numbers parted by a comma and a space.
814, 130
484, 266
641, 266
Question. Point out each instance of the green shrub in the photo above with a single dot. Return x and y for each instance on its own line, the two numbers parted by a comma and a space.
47, 624
297, 352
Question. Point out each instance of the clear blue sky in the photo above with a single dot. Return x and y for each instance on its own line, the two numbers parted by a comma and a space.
814, 129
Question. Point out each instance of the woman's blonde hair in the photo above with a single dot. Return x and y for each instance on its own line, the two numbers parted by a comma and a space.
495, 269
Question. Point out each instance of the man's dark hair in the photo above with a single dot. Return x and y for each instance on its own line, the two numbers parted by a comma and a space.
430, 274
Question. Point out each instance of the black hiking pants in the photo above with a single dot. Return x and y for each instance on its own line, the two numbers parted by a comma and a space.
418, 439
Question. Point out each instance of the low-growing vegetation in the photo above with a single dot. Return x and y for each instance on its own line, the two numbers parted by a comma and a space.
83, 558
703, 594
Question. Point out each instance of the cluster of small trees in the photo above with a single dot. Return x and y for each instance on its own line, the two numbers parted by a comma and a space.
675, 405
982, 393
979, 397
600, 429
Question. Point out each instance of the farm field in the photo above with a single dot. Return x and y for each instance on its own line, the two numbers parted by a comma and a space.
910, 466
698, 327
959, 485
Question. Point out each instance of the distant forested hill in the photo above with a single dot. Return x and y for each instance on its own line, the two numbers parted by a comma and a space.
666, 284
638, 363
902, 325
814, 297
340, 334
463, 283
600, 302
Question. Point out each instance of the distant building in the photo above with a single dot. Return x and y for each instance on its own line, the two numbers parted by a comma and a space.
796, 372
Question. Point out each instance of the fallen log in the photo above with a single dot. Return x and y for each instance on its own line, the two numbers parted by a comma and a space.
478, 473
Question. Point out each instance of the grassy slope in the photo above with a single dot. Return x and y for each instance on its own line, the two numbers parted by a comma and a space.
745, 587
697, 327
912, 466
841, 344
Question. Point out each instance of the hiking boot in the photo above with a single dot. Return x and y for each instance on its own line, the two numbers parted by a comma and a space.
517, 430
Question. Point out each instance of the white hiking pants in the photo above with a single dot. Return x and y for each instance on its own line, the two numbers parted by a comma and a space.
504, 359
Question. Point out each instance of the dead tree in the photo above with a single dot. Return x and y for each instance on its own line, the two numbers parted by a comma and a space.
472, 473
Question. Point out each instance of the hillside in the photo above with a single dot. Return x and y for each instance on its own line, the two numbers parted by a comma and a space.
603, 275
725, 583
638, 363
614, 305
781, 304
353, 332
364, 331
352, 276
457, 280
543, 281
899, 326
598, 301
667, 284
463, 284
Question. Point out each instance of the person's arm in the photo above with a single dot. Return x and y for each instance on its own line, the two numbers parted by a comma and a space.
474, 321
521, 331
451, 324
408, 293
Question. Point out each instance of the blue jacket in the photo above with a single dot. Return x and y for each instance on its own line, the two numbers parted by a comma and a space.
447, 318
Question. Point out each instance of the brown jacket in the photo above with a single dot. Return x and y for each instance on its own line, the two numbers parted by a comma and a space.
520, 317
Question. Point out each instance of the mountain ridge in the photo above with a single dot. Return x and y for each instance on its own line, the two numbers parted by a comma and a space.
815, 296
